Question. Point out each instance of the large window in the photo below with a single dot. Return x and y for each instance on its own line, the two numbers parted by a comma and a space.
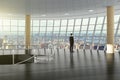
89, 33
12, 34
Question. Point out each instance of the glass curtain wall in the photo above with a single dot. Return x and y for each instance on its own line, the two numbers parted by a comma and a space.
12, 36
89, 33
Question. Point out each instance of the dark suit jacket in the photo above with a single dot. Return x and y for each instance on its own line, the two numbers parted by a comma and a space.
71, 39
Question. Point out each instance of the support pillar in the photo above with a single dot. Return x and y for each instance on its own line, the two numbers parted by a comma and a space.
110, 29
27, 33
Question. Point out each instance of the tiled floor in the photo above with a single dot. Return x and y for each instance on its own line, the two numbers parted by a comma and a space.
65, 66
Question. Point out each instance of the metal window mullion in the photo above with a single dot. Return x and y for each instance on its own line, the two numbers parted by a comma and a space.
2, 24
3, 35
17, 34
39, 28
117, 29
32, 32
39, 34
53, 30
10, 25
59, 32
86, 33
46, 30
10, 34
100, 34
66, 30
80, 28
94, 31
105, 47
74, 26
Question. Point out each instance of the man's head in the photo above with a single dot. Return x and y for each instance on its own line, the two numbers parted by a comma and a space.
71, 34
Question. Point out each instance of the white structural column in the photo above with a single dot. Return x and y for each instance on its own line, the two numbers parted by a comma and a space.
110, 29
27, 30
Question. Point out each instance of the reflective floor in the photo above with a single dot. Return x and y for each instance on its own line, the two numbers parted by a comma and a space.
81, 65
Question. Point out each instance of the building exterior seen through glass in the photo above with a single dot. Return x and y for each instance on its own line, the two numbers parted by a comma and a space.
89, 33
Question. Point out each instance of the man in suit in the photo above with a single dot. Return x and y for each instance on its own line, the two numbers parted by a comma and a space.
71, 40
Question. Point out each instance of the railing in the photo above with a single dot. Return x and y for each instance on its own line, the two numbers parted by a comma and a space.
38, 54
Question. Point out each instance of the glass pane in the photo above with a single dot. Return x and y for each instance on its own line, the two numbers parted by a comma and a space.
42, 34
6, 28
116, 18
64, 22
76, 34
0, 22
22, 34
63, 28
70, 29
14, 22
21, 22
42, 28
97, 33
77, 28
83, 33
55, 34
14, 28
71, 22
98, 27
91, 27
49, 29
85, 22
100, 20
84, 27
35, 29
43, 23
50, 23
56, 29
90, 33
105, 20
118, 32
115, 26
1, 28
57, 23
62, 33
92, 20
104, 33
49, 34
6, 22
105, 27
78, 22
21, 28
35, 23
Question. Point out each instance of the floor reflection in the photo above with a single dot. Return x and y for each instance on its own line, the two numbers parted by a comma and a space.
80, 65
110, 66
71, 60
28, 75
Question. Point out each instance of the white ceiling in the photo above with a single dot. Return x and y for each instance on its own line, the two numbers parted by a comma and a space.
56, 8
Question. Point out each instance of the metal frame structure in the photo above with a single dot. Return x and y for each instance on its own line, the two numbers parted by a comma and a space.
59, 32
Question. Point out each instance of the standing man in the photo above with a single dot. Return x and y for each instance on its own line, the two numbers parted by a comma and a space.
71, 40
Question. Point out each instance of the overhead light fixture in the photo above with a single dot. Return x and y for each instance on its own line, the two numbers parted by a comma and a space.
43, 15
9, 14
66, 14
90, 10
